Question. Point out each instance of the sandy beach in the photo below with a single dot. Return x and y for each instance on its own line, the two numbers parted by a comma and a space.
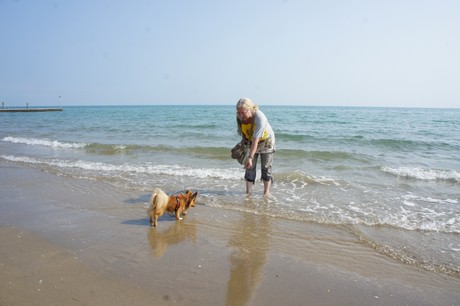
66, 241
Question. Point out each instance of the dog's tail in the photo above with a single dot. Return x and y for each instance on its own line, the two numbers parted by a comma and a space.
153, 201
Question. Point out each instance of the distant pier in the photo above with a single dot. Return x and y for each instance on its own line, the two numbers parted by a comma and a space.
29, 110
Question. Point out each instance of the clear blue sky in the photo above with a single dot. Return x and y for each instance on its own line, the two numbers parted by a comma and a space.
298, 52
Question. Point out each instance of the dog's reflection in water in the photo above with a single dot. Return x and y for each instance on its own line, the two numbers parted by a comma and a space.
176, 232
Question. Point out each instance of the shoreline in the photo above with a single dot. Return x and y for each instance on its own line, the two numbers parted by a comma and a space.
85, 242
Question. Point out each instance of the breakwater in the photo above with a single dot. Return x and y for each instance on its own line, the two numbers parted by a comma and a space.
25, 110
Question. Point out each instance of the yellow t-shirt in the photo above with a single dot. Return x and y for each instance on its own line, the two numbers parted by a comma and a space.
246, 129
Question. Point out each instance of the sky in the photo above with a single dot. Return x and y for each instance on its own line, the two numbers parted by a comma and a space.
400, 53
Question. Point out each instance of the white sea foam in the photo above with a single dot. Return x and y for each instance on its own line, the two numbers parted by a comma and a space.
415, 213
414, 198
423, 174
45, 143
408, 203
174, 170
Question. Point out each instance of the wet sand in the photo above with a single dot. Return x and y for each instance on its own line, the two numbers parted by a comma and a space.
65, 241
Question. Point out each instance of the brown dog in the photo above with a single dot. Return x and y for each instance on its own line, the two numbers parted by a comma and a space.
177, 204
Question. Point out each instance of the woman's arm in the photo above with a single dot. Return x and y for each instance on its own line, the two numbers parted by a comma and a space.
253, 150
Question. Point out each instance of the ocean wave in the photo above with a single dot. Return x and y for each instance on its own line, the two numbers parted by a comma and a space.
287, 136
300, 178
99, 148
146, 168
111, 149
322, 156
45, 143
424, 174
220, 153
396, 143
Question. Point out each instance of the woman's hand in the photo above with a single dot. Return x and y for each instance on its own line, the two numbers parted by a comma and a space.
248, 164
252, 152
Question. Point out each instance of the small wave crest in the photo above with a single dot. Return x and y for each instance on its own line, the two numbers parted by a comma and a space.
303, 179
424, 174
318, 155
145, 168
45, 143
411, 254
104, 149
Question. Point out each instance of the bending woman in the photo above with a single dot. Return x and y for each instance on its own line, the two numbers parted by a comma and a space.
254, 128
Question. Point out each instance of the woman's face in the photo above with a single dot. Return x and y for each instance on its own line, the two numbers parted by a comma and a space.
244, 114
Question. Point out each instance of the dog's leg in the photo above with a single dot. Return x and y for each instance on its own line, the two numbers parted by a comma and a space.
178, 213
156, 221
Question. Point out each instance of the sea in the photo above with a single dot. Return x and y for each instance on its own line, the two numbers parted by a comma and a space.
391, 176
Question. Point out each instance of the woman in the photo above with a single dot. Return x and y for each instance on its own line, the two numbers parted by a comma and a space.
254, 128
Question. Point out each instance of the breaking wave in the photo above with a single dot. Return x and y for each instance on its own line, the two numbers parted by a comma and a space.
424, 174
45, 143
146, 168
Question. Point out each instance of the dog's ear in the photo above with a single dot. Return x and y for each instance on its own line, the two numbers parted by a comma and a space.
195, 195
189, 194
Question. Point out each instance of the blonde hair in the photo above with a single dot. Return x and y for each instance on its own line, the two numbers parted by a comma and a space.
247, 104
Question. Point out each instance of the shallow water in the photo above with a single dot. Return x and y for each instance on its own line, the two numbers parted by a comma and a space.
213, 254
390, 176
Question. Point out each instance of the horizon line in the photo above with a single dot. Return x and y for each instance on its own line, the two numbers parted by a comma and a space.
206, 104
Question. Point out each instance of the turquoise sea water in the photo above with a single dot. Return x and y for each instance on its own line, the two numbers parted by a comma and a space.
389, 175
